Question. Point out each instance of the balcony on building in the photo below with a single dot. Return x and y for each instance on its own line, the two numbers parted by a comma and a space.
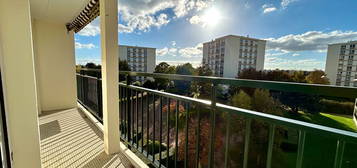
54, 115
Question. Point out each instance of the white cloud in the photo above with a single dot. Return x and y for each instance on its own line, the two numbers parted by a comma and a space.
92, 29
79, 45
195, 19
310, 41
166, 51
286, 3
289, 64
190, 52
295, 55
187, 52
142, 15
267, 8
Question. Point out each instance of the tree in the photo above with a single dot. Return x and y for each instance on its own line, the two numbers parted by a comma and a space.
123, 66
263, 102
201, 89
242, 100
182, 86
299, 77
317, 77
163, 67
149, 84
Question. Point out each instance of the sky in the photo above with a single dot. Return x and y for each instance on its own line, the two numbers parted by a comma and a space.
297, 31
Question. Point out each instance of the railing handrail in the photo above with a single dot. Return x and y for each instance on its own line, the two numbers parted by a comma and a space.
315, 89
273, 119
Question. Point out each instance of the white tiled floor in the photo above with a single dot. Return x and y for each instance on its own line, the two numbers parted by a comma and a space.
69, 139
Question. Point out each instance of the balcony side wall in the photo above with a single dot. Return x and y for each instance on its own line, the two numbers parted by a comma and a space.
55, 65
18, 76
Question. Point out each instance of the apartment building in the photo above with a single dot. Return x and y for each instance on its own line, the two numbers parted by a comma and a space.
140, 59
227, 56
341, 63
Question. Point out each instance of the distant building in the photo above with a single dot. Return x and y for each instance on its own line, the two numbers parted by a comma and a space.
341, 64
227, 56
140, 59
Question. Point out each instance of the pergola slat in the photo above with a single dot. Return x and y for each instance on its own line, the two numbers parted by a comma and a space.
88, 14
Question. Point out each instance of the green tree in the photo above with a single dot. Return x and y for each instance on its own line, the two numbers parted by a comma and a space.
201, 89
262, 101
242, 100
317, 77
299, 77
123, 66
181, 86
163, 67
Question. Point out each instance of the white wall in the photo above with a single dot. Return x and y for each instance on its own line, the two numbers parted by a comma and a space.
231, 56
17, 65
151, 59
332, 62
260, 55
55, 65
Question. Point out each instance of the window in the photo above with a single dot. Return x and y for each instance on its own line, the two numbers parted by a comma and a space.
349, 68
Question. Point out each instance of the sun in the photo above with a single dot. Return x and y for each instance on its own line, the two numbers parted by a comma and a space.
211, 17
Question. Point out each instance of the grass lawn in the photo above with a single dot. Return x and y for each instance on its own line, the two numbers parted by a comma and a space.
330, 120
320, 151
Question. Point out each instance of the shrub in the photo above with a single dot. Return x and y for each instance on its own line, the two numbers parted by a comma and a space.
337, 107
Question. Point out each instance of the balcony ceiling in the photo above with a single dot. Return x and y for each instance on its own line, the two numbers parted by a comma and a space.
61, 11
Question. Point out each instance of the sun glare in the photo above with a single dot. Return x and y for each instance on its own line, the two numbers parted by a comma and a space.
211, 17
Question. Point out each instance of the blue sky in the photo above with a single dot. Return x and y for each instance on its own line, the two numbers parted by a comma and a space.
297, 31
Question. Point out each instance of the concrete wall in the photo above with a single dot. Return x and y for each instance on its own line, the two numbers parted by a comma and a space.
151, 59
17, 66
332, 62
231, 56
260, 55
55, 65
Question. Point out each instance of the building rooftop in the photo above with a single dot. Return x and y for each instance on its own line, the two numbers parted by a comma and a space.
136, 46
236, 36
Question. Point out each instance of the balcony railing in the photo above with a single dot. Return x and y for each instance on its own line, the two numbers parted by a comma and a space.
170, 130
89, 93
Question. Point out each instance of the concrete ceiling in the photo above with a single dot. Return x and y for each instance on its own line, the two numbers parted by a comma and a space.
60, 11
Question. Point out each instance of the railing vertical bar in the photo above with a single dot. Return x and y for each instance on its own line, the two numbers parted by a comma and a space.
142, 121
176, 130
247, 142
213, 125
186, 134
160, 132
124, 112
340, 148
132, 115
137, 119
154, 120
120, 111
301, 146
127, 114
147, 123
270, 145
197, 148
168, 133
226, 151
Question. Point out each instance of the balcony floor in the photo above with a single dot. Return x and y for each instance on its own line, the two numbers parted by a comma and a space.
69, 139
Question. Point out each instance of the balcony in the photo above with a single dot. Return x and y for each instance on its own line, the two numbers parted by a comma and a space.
171, 130
53, 117
70, 139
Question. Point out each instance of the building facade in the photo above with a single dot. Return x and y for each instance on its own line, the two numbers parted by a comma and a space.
140, 59
341, 64
227, 56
